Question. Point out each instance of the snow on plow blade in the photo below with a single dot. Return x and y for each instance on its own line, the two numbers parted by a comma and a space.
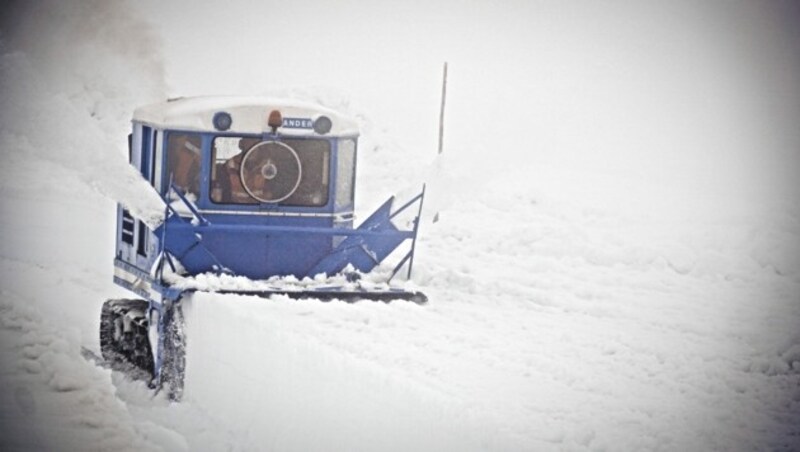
349, 296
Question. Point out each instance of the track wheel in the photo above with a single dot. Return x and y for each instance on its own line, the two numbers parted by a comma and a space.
123, 337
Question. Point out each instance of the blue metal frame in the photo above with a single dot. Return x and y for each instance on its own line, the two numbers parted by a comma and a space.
325, 241
315, 231
362, 248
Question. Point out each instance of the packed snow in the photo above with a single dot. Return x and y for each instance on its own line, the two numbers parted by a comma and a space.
616, 264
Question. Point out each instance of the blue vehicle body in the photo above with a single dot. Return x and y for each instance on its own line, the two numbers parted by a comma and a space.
280, 205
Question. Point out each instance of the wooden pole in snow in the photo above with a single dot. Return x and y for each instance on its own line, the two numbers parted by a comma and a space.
441, 121
441, 109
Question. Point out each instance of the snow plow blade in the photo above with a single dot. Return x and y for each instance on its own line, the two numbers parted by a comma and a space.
349, 296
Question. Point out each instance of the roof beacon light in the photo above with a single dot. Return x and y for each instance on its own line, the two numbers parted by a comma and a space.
222, 121
322, 125
275, 120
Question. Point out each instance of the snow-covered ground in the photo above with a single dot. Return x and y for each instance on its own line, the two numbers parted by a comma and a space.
616, 265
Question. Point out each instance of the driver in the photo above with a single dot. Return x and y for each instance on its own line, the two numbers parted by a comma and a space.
235, 192
183, 161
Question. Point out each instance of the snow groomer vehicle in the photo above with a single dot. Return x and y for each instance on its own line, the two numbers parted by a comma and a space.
258, 199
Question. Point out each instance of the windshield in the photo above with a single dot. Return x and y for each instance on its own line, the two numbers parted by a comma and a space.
292, 172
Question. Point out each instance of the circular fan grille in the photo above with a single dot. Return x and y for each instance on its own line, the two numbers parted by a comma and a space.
271, 171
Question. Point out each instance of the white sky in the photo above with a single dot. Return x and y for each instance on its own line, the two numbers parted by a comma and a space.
704, 94
702, 97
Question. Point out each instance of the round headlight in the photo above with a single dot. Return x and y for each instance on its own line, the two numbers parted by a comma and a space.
222, 120
322, 125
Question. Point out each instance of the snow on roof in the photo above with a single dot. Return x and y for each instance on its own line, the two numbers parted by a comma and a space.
249, 115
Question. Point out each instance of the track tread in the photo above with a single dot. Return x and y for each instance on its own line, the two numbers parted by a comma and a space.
174, 365
132, 357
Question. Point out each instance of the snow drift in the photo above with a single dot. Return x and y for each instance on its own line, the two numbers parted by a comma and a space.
582, 298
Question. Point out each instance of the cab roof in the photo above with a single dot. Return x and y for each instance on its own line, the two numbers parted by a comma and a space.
248, 114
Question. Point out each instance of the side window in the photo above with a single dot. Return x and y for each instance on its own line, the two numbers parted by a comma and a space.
141, 240
130, 148
158, 163
183, 162
144, 156
127, 227
345, 172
